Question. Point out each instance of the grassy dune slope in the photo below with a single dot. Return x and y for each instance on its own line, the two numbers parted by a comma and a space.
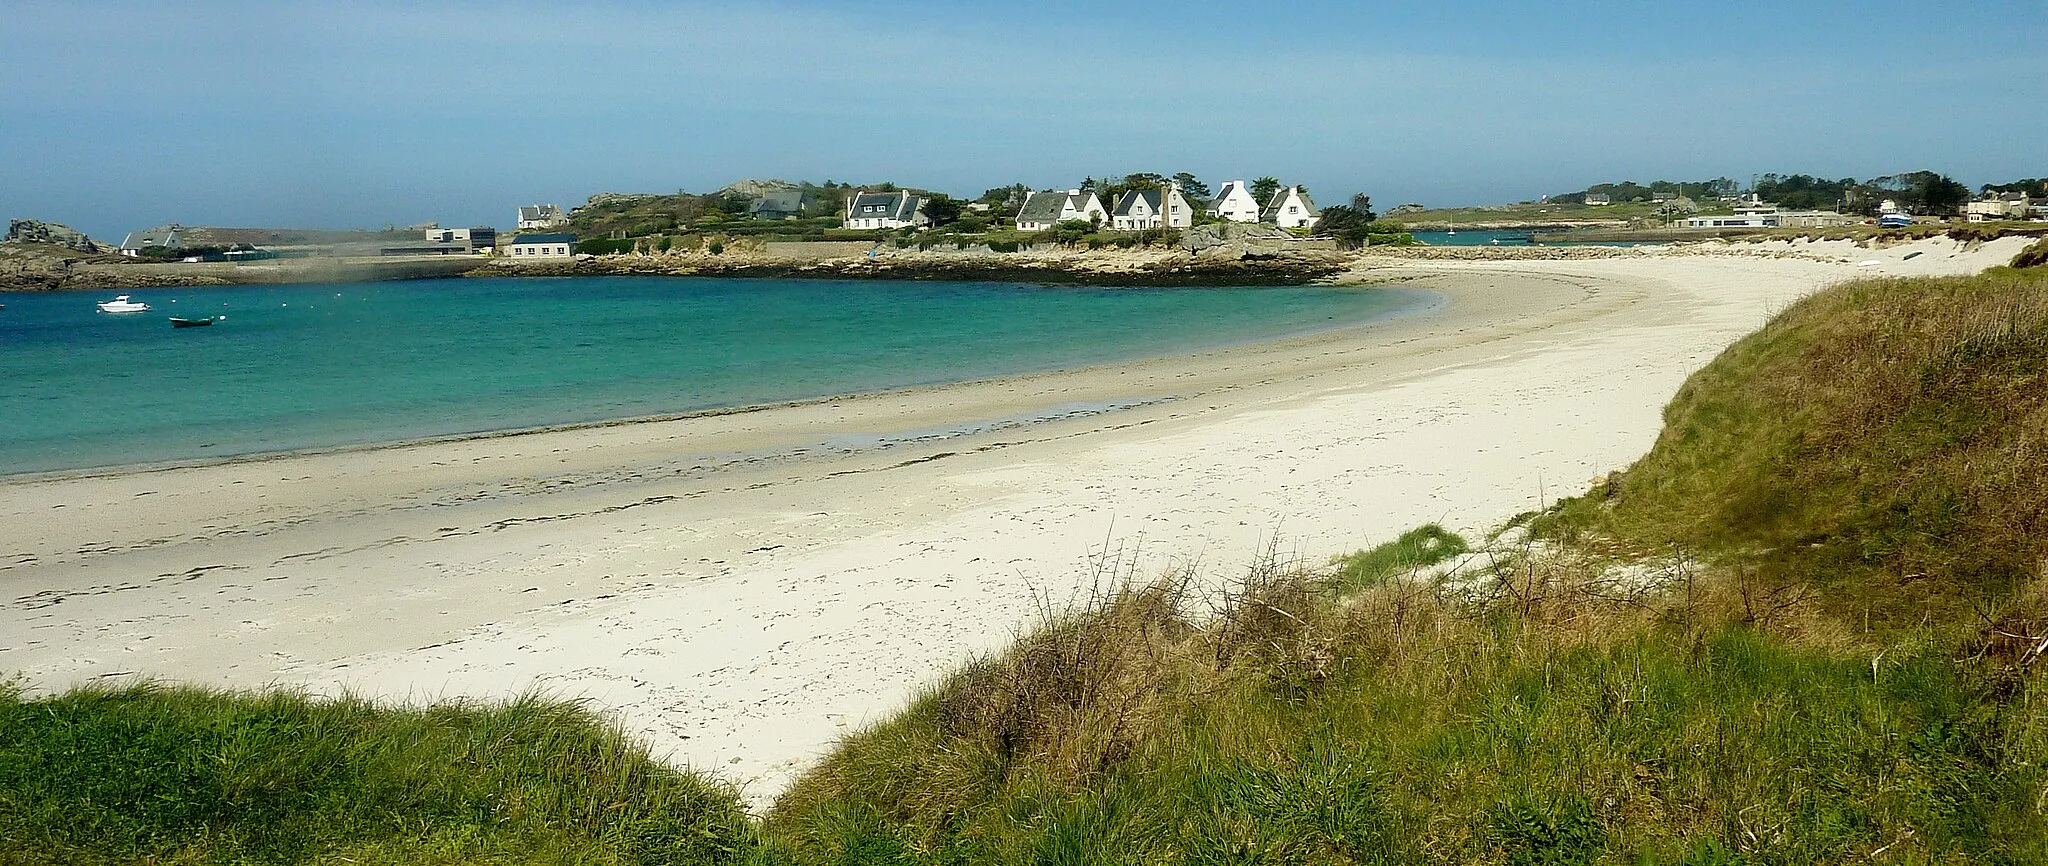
181, 775
1805, 629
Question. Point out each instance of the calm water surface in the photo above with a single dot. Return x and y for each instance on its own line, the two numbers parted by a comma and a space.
297, 367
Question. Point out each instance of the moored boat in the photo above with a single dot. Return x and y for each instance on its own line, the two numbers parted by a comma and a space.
181, 322
121, 304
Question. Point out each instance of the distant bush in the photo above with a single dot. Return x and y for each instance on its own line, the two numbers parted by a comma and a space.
715, 248
1004, 246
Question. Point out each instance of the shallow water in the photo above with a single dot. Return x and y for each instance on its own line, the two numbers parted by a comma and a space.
312, 366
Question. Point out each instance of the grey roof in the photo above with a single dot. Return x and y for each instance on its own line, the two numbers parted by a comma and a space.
1042, 207
554, 238
786, 201
161, 236
539, 211
898, 205
1149, 196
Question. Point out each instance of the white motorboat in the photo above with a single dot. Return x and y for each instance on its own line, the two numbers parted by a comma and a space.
121, 304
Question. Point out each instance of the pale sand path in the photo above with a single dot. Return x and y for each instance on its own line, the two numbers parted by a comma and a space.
740, 589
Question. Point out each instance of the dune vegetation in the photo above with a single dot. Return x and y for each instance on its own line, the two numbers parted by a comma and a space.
1807, 627
152, 774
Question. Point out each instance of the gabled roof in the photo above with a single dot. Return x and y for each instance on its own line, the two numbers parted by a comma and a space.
1042, 207
1125, 202
161, 236
1233, 185
554, 238
898, 205
780, 201
1272, 208
539, 211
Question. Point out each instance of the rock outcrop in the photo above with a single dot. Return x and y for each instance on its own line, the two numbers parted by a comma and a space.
1235, 240
54, 234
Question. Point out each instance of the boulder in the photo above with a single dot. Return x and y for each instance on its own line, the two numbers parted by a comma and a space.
1235, 240
39, 232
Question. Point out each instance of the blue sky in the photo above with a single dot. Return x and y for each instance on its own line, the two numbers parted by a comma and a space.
123, 115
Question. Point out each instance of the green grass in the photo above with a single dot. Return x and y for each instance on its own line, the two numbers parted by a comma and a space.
1879, 442
1435, 733
1416, 549
153, 774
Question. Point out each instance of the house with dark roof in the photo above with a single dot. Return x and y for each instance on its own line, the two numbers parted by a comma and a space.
1140, 209
169, 237
781, 204
1234, 202
885, 210
1043, 210
1291, 209
541, 216
553, 245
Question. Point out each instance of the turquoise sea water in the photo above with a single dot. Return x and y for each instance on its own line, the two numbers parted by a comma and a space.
314, 366
1509, 237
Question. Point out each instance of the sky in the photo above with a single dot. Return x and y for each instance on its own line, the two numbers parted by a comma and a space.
119, 116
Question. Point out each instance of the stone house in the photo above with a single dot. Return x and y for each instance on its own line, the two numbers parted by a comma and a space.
780, 204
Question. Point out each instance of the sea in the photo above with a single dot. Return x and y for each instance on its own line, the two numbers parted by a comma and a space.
1503, 238
305, 367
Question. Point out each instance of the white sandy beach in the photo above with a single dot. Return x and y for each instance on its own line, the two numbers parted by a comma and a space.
742, 588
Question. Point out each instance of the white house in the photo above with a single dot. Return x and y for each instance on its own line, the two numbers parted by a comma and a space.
1991, 208
542, 217
1598, 199
1234, 202
1151, 209
542, 246
1747, 220
1043, 210
1291, 209
885, 210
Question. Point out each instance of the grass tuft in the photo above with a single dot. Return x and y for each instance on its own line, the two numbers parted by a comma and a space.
1416, 549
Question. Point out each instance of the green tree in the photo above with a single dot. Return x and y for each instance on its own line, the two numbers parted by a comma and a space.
942, 208
1362, 203
1264, 188
1347, 224
1191, 186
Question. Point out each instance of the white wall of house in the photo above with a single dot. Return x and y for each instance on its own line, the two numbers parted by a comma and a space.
1084, 206
1293, 212
556, 249
1142, 216
1139, 215
1235, 203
